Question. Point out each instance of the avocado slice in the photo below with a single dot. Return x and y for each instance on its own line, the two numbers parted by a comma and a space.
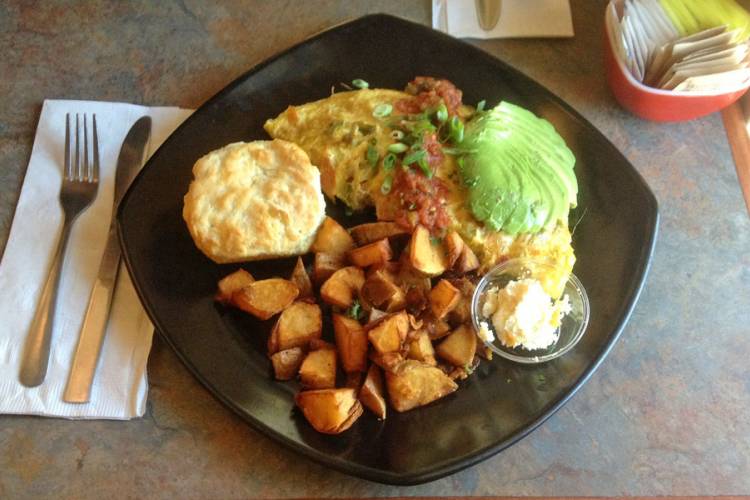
518, 170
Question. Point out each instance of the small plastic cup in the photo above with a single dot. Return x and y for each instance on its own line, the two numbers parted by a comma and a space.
571, 329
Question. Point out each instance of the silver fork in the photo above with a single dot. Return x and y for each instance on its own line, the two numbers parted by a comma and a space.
79, 187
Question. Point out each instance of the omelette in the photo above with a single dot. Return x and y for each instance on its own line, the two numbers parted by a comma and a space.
357, 139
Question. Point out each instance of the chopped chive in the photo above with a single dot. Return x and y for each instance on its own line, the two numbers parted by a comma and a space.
480, 105
360, 84
385, 188
442, 113
397, 147
389, 162
372, 156
414, 157
382, 110
397, 134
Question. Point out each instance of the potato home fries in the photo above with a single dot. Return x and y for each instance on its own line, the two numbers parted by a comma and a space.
455, 190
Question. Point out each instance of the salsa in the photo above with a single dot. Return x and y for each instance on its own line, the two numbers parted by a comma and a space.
428, 93
421, 201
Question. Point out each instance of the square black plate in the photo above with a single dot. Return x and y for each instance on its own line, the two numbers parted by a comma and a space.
225, 349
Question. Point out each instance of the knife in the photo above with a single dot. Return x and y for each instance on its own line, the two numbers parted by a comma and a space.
83, 369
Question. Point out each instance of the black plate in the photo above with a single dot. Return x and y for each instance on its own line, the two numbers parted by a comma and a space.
225, 350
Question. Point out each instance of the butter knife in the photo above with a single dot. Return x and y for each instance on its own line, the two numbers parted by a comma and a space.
86, 358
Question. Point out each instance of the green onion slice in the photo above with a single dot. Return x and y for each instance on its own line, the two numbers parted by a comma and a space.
382, 110
414, 157
360, 84
425, 167
442, 113
397, 134
372, 156
480, 105
456, 130
385, 188
397, 147
355, 310
389, 162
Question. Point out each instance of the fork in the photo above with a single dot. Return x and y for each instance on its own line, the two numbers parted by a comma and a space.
79, 187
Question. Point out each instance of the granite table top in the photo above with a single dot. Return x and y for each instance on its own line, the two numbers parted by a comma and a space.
666, 413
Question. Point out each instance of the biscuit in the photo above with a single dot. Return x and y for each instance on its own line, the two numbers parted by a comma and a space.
253, 201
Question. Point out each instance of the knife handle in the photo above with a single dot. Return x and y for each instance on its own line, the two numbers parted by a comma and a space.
86, 358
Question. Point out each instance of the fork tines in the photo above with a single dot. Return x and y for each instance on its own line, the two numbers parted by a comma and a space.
79, 167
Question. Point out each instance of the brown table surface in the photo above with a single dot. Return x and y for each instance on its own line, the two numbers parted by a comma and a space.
667, 413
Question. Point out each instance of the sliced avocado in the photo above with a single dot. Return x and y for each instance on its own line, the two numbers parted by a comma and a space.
521, 171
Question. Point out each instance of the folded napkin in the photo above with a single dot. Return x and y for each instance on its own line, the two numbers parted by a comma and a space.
517, 18
120, 386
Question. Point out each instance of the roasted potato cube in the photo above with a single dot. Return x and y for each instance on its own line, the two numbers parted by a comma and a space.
232, 283
459, 347
325, 264
318, 370
424, 255
462, 312
467, 261
382, 292
421, 349
343, 286
453, 245
265, 298
444, 297
388, 335
371, 393
300, 278
372, 254
286, 363
407, 277
413, 383
351, 341
296, 327
373, 231
387, 361
316, 344
354, 380
330, 411
332, 238
416, 300
438, 329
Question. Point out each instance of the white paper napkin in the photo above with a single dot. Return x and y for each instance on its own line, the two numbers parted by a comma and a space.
518, 19
120, 387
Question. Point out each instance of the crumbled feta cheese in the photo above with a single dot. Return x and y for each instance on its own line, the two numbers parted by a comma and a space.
523, 314
484, 332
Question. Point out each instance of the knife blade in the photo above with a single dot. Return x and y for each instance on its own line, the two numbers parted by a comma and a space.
91, 337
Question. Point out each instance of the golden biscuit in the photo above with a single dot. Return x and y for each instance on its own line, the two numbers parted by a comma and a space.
252, 201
